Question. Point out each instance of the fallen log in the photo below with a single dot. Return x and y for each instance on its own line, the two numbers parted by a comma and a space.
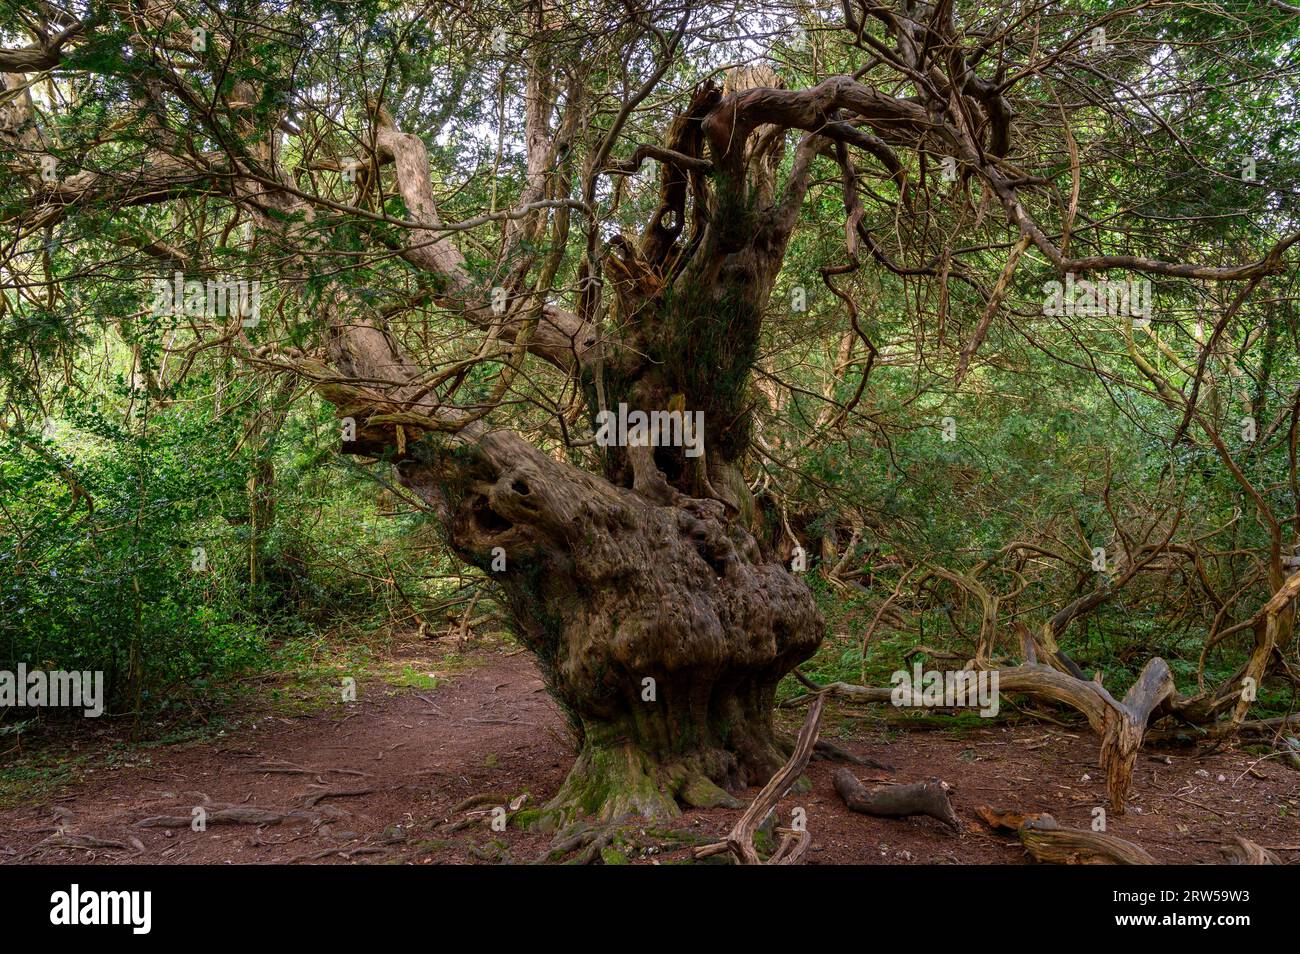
932, 798
1243, 851
1049, 842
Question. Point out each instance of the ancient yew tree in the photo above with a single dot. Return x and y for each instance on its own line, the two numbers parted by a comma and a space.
628, 180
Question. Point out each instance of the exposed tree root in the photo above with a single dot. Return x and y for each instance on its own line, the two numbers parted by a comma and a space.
614, 842
585, 840
480, 809
88, 843
469, 821
1122, 724
217, 813
474, 801
278, 767
931, 798
1290, 751
63, 836
342, 852
310, 799
494, 854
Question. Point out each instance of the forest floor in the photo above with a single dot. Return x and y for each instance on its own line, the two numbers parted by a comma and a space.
376, 781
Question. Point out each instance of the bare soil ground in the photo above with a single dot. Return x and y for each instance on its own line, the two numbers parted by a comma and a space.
376, 781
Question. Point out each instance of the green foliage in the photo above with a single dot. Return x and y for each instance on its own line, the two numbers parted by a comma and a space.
129, 545
102, 523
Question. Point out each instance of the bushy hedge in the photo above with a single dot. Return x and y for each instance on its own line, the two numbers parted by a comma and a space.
125, 547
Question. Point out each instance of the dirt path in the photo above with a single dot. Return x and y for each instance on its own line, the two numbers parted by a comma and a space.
376, 781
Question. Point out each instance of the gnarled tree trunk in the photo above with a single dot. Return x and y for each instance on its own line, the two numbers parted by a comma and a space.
660, 628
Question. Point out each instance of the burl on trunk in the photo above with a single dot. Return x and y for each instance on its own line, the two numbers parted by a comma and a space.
660, 629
